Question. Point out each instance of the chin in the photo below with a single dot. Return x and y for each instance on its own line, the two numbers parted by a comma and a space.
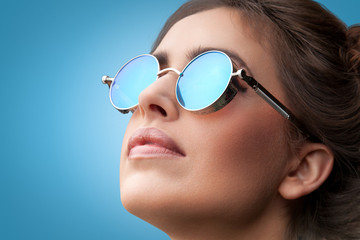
156, 208
146, 199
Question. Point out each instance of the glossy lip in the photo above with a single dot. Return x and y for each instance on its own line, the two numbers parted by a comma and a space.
151, 143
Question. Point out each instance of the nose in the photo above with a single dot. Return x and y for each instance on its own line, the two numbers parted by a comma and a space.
159, 99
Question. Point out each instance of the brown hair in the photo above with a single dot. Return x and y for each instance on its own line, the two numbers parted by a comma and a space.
318, 61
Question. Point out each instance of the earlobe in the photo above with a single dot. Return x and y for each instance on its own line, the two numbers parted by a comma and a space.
311, 168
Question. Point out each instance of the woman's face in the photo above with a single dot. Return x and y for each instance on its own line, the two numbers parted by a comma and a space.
177, 165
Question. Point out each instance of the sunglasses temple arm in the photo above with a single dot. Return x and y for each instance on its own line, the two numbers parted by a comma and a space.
262, 92
276, 104
270, 99
107, 80
267, 96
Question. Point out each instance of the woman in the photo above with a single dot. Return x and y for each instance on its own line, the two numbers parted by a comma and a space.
205, 164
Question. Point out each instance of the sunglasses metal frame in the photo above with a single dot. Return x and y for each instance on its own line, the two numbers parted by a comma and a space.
228, 94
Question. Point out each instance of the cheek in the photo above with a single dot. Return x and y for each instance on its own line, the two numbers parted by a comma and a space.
241, 161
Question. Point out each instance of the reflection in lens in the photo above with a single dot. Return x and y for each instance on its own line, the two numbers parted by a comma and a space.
204, 80
132, 79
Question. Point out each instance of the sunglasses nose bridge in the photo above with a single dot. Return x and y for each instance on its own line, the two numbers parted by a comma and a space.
161, 72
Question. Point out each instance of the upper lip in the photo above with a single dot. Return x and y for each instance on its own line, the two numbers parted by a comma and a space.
144, 136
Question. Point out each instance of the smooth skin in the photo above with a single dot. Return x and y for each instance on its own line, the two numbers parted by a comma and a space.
237, 174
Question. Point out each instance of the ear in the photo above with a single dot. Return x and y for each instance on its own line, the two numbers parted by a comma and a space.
310, 168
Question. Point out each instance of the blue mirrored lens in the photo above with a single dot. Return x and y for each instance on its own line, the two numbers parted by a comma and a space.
204, 80
132, 79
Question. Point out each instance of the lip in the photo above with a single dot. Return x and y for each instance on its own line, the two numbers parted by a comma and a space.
152, 143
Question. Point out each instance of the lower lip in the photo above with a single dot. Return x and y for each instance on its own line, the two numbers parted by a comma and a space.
152, 151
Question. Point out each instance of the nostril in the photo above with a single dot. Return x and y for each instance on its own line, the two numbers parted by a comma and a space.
159, 109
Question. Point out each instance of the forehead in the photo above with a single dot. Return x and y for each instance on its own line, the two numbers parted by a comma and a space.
220, 28
207, 27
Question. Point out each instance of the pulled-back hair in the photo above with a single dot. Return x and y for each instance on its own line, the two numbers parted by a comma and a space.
318, 63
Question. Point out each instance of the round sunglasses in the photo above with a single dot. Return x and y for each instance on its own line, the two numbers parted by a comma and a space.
205, 85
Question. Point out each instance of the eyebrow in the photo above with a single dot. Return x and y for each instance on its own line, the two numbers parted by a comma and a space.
191, 54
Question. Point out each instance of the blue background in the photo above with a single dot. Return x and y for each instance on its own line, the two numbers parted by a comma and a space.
60, 136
